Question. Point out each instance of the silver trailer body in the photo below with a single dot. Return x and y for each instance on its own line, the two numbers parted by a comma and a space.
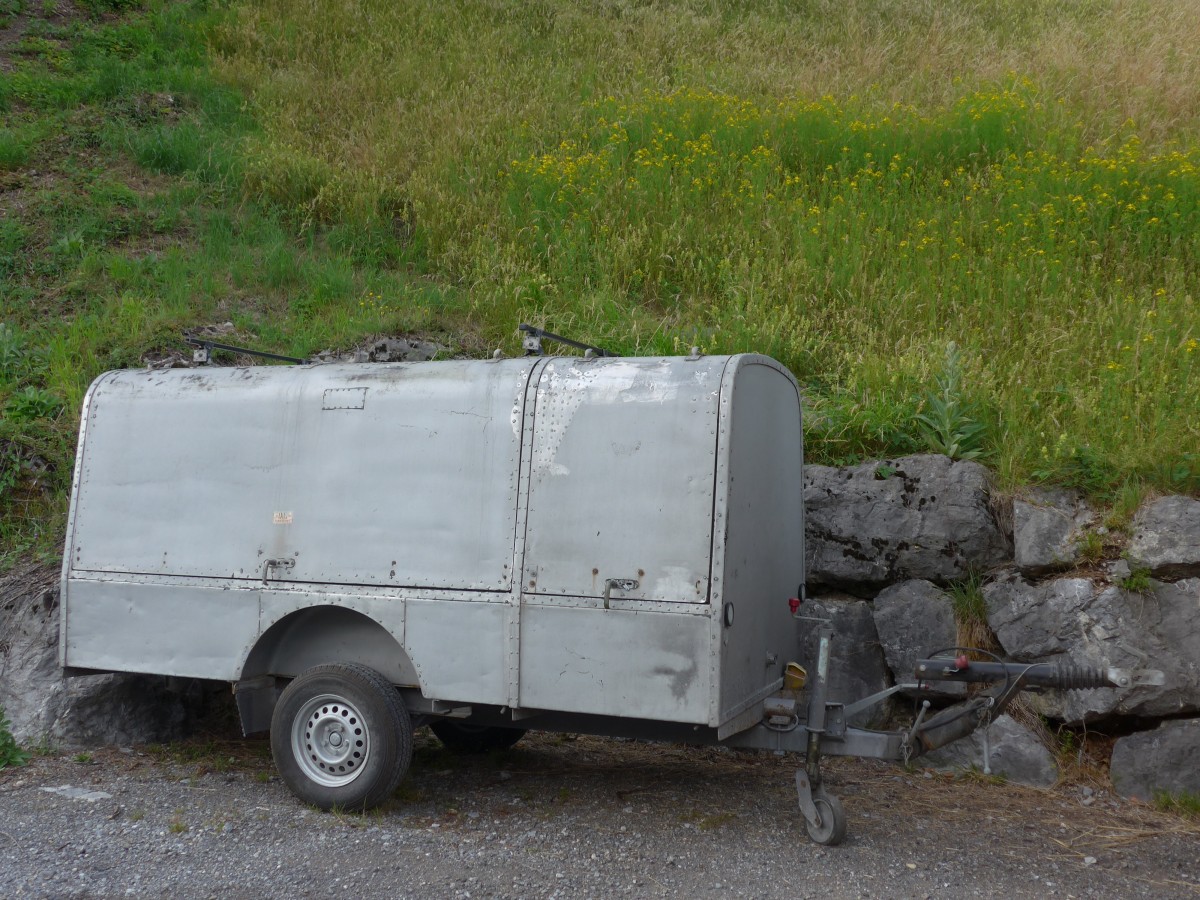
607, 537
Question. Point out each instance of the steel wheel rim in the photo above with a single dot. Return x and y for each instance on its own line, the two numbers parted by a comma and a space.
824, 831
330, 740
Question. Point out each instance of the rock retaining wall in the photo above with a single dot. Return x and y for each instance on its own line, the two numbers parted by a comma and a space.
896, 533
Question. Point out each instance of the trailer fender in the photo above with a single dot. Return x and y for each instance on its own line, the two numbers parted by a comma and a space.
311, 637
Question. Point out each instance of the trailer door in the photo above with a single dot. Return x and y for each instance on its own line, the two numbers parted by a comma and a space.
621, 479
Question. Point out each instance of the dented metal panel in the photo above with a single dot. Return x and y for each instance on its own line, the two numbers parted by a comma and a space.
187, 629
458, 649
616, 662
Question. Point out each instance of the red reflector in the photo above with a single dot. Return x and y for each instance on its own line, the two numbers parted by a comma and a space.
962, 662
793, 604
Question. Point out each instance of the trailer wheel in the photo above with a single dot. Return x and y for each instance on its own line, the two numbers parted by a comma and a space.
341, 737
467, 738
832, 829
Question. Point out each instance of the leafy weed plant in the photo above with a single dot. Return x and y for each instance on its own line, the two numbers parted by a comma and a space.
948, 423
10, 753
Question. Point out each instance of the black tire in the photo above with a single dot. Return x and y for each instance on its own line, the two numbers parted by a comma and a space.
463, 737
341, 737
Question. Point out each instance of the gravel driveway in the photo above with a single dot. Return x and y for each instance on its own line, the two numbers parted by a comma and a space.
565, 816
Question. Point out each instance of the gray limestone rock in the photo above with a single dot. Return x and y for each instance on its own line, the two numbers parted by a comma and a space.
1048, 527
1073, 621
31, 682
1165, 759
914, 517
1015, 753
1166, 538
1118, 570
92, 710
856, 665
915, 618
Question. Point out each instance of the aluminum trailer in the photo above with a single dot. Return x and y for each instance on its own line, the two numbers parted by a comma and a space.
604, 545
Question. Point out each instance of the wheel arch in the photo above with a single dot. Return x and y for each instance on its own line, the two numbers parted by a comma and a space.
310, 637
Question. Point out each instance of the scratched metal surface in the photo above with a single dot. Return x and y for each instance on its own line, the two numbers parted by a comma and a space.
624, 454
400, 475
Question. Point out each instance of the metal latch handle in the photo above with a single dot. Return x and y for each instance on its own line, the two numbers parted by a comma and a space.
621, 584
284, 563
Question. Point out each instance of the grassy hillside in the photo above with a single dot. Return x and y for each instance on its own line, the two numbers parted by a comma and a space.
965, 226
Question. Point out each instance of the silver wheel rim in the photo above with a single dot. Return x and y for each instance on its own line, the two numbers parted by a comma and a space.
330, 740
822, 832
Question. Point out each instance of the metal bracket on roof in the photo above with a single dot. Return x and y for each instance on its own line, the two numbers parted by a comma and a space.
532, 342
204, 348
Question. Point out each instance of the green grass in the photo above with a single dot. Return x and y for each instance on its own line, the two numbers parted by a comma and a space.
1183, 803
858, 267
1125, 506
1091, 547
971, 228
970, 613
966, 597
1137, 581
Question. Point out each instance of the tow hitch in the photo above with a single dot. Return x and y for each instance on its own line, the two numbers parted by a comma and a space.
818, 727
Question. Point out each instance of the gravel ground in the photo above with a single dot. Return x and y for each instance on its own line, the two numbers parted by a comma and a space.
565, 816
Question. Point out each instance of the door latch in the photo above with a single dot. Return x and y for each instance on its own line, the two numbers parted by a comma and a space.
621, 584
269, 564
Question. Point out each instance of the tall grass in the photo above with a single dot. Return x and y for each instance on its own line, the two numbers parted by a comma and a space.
850, 187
